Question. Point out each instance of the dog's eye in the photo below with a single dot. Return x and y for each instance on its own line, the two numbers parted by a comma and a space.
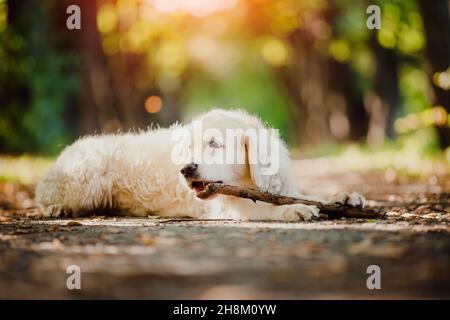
214, 144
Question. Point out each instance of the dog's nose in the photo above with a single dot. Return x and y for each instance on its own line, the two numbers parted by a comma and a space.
188, 171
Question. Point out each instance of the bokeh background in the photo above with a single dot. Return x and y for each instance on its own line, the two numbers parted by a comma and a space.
362, 110
308, 67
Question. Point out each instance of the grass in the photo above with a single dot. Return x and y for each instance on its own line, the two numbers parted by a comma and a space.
26, 169
409, 157
413, 157
408, 161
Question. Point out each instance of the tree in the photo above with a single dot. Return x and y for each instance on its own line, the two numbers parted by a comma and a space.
385, 97
437, 30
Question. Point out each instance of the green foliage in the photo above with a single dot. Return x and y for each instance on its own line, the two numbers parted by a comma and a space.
35, 85
253, 88
25, 169
226, 58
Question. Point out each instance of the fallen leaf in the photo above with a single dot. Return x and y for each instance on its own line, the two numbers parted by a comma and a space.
422, 209
429, 216
409, 216
147, 240
392, 214
73, 223
53, 228
368, 248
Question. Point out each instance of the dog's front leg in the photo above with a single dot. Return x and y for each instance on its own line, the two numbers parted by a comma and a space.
354, 199
294, 212
249, 210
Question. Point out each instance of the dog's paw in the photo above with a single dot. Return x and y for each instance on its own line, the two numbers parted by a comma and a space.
303, 212
357, 200
56, 211
354, 199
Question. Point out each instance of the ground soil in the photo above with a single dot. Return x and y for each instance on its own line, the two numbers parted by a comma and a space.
166, 258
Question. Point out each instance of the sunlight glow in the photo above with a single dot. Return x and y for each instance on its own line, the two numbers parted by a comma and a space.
107, 18
442, 79
3, 15
200, 8
275, 52
153, 104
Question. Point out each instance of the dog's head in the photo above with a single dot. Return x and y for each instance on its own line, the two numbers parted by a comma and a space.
233, 147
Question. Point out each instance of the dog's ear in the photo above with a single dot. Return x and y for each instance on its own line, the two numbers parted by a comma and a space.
251, 151
268, 160
261, 155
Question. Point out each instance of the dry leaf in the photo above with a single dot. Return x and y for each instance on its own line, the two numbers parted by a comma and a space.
367, 247
147, 240
430, 216
409, 216
73, 223
5, 219
392, 214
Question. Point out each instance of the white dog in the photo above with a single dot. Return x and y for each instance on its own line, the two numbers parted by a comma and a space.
135, 174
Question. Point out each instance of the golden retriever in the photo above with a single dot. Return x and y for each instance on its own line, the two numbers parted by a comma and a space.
162, 172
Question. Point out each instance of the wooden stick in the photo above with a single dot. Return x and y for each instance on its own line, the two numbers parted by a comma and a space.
330, 209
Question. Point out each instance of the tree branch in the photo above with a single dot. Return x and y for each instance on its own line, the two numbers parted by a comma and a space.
331, 209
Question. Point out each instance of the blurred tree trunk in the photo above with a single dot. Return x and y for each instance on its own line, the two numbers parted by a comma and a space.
306, 83
437, 30
98, 108
15, 94
383, 102
109, 99
343, 87
327, 104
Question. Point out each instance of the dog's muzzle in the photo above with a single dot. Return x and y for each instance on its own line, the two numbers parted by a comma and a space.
189, 170
191, 175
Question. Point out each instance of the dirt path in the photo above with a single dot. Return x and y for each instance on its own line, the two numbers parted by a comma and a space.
160, 258
155, 258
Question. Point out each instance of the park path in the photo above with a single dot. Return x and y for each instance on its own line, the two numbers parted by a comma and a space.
165, 258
